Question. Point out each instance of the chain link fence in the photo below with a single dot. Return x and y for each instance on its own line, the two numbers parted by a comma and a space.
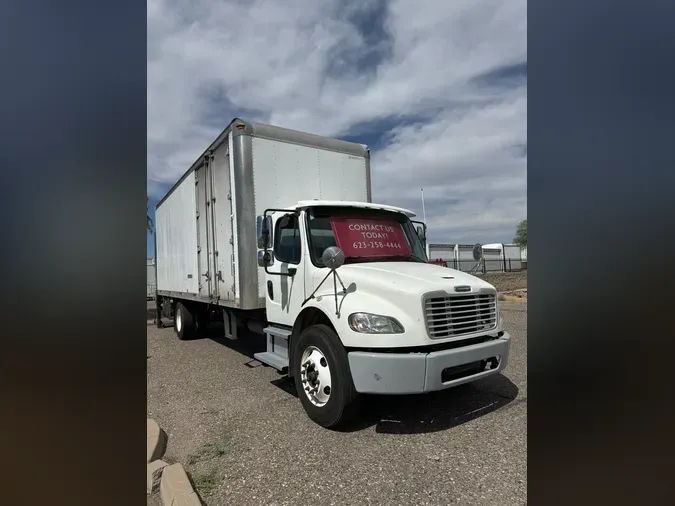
484, 266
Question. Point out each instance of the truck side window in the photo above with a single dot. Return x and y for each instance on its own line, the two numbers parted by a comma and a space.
287, 245
322, 236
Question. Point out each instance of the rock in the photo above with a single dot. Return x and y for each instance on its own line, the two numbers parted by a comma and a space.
176, 489
156, 441
155, 469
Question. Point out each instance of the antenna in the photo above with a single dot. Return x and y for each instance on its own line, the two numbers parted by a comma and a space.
424, 212
424, 219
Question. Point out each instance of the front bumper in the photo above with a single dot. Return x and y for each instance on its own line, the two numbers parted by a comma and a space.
412, 373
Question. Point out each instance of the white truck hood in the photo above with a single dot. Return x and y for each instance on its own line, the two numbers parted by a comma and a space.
409, 276
393, 289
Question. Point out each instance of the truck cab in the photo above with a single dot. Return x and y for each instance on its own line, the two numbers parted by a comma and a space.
353, 306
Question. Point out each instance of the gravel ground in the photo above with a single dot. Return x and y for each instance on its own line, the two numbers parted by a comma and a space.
244, 438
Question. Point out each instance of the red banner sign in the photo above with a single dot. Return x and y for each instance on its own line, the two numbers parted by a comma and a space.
368, 237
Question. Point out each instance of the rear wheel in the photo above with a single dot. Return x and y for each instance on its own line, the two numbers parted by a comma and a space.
184, 323
323, 379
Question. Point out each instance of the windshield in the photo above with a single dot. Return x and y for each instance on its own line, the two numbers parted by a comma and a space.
364, 235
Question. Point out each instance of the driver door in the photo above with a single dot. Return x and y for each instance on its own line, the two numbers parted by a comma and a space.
285, 287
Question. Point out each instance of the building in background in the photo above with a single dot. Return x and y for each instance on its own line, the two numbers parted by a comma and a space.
492, 258
152, 282
464, 260
497, 257
502, 257
442, 252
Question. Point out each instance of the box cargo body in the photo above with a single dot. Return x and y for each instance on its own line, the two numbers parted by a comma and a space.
492, 260
445, 252
509, 256
206, 240
464, 258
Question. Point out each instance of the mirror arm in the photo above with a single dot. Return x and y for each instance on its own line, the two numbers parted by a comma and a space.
333, 258
316, 289
344, 291
336, 277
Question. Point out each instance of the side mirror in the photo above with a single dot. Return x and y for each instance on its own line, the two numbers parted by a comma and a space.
264, 232
333, 258
421, 233
265, 259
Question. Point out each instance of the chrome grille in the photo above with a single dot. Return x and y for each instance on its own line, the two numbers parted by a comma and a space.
456, 315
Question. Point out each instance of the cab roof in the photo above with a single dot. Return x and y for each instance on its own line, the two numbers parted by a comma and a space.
303, 204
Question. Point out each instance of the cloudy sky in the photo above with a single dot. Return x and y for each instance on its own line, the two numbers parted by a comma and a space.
438, 90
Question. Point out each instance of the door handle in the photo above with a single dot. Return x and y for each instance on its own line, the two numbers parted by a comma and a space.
270, 290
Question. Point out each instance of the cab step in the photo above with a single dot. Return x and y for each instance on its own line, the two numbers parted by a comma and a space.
277, 348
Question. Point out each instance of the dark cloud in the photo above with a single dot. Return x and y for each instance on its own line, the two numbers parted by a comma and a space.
369, 21
506, 76
218, 110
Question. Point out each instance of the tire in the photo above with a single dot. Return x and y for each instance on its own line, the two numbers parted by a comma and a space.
339, 407
159, 313
184, 323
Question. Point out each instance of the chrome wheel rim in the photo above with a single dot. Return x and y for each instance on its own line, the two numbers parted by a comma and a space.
315, 376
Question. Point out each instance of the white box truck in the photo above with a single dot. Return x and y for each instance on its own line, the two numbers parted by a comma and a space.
274, 230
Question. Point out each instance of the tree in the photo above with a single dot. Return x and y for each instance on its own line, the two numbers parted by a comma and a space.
521, 234
148, 216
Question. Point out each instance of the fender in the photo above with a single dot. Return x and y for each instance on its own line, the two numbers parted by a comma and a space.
312, 314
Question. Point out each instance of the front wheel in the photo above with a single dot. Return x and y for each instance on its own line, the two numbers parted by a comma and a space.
323, 379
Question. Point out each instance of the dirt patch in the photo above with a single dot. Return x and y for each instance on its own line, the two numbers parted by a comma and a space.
205, 482
209, 451
506, 281
514, 296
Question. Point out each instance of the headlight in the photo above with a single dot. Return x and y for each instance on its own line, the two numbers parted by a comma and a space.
367, 323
